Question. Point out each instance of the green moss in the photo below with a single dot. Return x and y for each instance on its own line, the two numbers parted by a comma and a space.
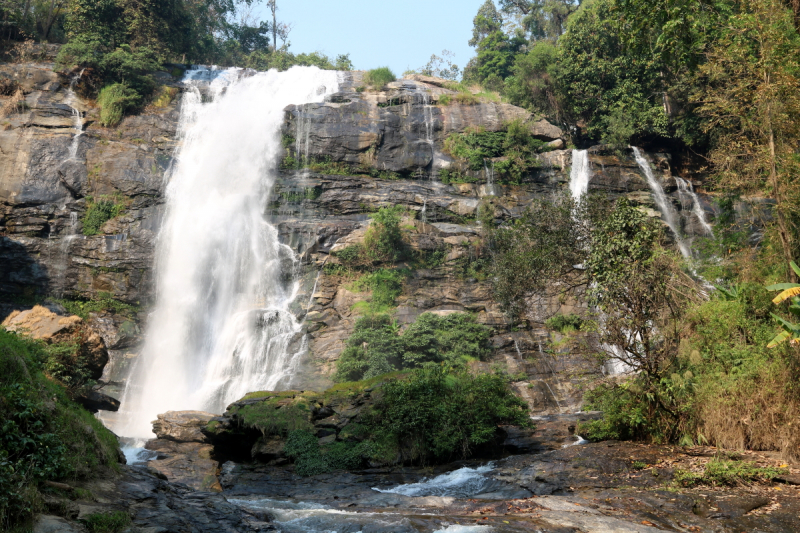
277, 416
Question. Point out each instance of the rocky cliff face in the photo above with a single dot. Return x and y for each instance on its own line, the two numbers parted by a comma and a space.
358, 151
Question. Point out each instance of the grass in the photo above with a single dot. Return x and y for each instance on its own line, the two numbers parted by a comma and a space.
724, 472
379, 77
115, 101
112, 522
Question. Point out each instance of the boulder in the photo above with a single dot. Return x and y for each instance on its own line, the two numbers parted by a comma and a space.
94, 401
182, 426
41, 323
430, 80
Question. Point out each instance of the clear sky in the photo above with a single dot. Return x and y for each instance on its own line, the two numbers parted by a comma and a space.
401, 35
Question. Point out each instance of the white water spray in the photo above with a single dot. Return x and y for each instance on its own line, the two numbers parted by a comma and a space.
580, 174
221, 326
664, 205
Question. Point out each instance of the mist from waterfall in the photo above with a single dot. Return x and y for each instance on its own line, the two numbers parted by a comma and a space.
580, 174
221, 326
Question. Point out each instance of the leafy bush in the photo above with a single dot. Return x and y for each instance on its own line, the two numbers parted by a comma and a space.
311, 459
115, 101
43, 434
377, 348
564, 323
98, 213
437, 415
516, 147
383, 242
103, 302
379, 77
719, 472
386, 285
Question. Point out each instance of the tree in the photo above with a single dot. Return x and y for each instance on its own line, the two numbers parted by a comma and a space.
542, 19
486, 22
604, 83
751, 103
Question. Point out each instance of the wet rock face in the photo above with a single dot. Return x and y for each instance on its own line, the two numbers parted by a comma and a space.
45, 191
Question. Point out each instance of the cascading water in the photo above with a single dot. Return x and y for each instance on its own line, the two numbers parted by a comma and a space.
685, 188
664, 205
76, 115
221, 326
489, 170
580, 174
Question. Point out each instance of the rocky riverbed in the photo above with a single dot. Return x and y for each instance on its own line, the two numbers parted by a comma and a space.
565, 486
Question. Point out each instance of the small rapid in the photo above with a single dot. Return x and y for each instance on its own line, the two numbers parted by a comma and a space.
462, 483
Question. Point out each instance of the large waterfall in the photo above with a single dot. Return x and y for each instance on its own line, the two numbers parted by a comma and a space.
221, 326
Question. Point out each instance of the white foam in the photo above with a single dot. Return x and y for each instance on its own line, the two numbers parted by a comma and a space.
464, 482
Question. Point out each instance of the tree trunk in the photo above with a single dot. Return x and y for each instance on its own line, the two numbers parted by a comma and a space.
783, 230
274, 26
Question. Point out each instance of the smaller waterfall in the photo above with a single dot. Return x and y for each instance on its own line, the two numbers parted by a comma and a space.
489, 170
685, 188
664, 205
552, 371
76, 115
580, 174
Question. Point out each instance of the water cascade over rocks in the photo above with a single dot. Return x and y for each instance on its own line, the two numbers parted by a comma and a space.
221, 326
580, 174
664, 205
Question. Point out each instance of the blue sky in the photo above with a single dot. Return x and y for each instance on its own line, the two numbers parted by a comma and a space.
401, 35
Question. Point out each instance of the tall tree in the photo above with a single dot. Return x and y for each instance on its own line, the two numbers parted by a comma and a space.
751, 99
542, 19
487, 21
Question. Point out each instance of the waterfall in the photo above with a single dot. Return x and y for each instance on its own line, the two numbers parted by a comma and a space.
685, 188
580, 174
77, 117
221, 326
489, 171
664, 205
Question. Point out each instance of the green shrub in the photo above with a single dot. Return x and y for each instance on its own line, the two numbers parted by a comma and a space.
43, 434
383, 242
437, 415
379, 77
98, 212
720, 472
112, 522
311, 459
115, 101
376, 347
386, 285
103, 302
564, 323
